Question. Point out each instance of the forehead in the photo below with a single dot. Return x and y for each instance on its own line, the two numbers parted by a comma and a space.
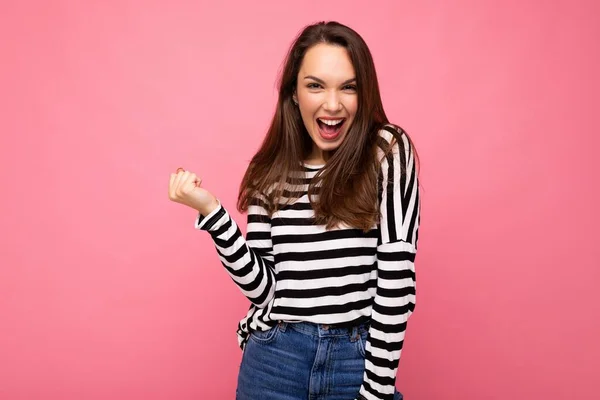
327, 62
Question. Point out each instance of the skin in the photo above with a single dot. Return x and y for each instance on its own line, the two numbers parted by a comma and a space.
326, 88
184, 188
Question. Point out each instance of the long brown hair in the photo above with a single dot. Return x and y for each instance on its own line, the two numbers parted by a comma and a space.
347, 184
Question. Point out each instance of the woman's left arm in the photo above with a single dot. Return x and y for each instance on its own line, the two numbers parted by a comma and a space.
395, 297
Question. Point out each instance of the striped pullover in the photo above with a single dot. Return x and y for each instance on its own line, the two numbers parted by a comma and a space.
294, 270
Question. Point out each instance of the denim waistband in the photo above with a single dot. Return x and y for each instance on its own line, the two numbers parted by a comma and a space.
322, 330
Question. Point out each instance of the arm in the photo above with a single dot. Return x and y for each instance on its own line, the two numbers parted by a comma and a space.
249, 262
395, 296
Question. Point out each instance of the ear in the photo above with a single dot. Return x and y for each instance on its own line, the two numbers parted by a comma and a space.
295, 98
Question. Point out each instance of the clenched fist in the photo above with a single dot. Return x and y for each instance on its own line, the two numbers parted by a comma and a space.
184, 188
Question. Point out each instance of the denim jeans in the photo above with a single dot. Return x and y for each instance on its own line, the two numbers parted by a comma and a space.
303, 361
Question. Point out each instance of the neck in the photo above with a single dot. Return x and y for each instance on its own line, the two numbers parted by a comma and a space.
318, 156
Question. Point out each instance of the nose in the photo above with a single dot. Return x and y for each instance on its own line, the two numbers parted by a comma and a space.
332, 102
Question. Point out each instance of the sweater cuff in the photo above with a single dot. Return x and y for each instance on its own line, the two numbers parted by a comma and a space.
209, 222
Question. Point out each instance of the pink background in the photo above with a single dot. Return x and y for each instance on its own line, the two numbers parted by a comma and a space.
106, 290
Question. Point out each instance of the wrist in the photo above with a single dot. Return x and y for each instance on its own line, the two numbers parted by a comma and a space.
205, 210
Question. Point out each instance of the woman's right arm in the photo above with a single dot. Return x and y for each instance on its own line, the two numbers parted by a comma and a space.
249, 261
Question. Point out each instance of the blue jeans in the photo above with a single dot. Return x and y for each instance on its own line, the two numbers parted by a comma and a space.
303, 361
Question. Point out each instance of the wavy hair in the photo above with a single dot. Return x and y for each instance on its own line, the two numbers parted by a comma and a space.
347, 185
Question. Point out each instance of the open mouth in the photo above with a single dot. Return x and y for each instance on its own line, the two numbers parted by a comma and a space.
330, 128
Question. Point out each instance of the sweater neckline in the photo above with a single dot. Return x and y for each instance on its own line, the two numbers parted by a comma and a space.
313, 166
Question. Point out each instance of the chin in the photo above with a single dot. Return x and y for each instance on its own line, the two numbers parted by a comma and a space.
328, 145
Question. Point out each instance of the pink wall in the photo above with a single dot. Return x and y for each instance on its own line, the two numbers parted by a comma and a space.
107, 292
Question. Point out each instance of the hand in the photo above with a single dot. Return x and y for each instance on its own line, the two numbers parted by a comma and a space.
184, 188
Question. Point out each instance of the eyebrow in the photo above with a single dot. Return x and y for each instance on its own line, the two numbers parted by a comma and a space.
322, 82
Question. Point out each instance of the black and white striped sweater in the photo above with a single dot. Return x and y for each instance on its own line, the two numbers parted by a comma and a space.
293, 270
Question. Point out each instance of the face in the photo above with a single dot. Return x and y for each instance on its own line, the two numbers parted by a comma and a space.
327, 97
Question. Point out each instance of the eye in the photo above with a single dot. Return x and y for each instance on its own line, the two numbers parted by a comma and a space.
350, 87
313, 85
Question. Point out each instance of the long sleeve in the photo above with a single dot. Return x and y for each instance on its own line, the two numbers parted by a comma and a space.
249, 261
395, 296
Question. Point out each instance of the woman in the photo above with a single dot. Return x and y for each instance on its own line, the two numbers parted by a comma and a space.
333, 215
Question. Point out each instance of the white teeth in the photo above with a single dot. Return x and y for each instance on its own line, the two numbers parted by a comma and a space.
330, 122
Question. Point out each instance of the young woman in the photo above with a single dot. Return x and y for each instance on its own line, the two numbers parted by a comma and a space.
333, 215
